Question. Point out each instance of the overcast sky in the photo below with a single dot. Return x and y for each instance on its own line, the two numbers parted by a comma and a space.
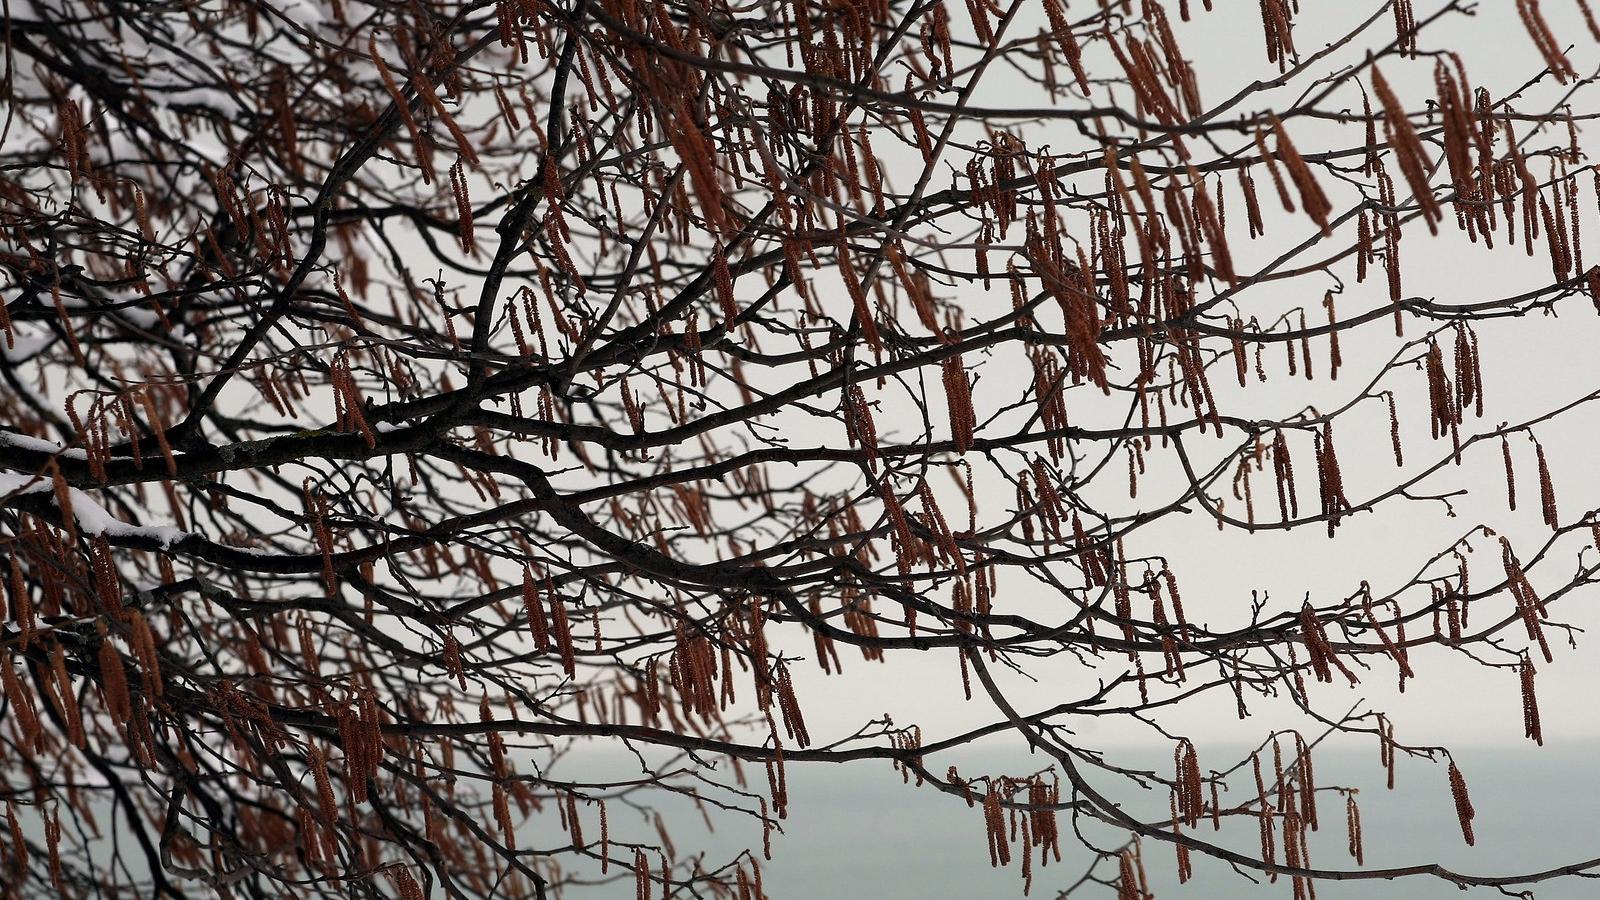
1531, 365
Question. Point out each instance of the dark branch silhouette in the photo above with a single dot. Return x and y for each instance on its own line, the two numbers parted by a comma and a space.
400, 398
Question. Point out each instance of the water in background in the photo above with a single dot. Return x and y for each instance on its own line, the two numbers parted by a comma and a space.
855, 831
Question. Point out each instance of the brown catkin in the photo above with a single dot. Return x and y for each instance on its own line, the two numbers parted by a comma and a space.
1530, 704
502, 814
405, 884
19, 844
403, 107
1529, 605
1312, 197
1278, 26
534, 608
1511, 477
1405, 27
1352, 814
114, 681
1187, 784
1127, 881
1589, 20
958, 394
1394, 430
1547, 491
146, 654
1464, 811
63, 497
1335, 358
458, 187
1543, 38
452, 660
561, 631
159, 429
641, 875
21, 702
1408, 150
722, 280
328, 808
1061, 31
68, 698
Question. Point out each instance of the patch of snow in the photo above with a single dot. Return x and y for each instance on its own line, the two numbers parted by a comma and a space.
95, 519
13, 484
40, 445
250, 551
92, 518
14, 628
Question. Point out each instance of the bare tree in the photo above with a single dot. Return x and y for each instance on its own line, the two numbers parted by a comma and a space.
400, 399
